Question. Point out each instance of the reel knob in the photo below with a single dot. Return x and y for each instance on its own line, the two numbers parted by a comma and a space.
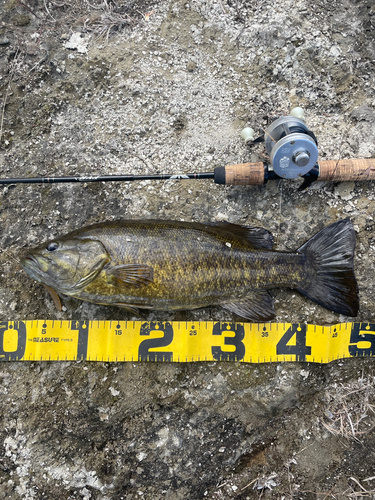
301, 158
247, 135
298, 113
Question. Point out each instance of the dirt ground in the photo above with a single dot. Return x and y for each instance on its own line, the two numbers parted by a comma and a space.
145, 87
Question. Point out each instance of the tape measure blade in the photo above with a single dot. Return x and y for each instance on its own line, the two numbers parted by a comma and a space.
115, 341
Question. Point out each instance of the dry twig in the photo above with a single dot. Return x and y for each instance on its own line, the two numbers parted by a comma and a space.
11, 75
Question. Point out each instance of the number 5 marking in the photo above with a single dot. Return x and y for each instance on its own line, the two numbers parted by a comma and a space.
362, 332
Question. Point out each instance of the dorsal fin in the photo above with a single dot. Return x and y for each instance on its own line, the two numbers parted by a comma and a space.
258, 237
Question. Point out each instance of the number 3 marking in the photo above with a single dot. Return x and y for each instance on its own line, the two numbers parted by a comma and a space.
236, 341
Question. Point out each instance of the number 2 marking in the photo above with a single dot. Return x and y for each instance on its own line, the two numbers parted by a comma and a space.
144, 353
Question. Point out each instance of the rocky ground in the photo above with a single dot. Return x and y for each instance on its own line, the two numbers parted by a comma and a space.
145, 87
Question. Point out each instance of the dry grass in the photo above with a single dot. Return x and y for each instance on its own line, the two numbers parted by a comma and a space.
349, 409
111, 21
60, 13
350, 414
351, 492
355, 490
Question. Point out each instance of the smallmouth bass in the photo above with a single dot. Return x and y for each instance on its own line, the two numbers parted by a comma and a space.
170, 265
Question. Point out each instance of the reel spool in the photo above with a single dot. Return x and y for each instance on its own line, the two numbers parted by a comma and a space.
292, 147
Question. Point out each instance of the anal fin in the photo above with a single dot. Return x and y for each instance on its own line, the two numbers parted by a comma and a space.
131, 308
257, 306
127, 307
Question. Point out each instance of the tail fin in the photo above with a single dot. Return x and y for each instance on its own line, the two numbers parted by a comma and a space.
330, 279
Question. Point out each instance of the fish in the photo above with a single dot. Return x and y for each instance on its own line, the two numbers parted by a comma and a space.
172, 265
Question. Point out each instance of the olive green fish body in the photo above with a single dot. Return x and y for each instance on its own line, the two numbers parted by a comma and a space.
191, 266
170, 265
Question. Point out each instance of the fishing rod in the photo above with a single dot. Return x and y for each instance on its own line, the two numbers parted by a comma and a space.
293, 152
244, 174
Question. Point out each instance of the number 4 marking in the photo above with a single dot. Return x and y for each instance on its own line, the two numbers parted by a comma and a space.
299, 348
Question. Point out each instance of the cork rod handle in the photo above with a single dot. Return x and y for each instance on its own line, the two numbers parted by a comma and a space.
245, 174
347, 170
252, 174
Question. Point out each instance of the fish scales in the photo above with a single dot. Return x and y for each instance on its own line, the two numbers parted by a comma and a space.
188, 259
170, 265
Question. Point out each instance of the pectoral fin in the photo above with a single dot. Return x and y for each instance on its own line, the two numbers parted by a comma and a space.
55, 297
258, 306
135, 275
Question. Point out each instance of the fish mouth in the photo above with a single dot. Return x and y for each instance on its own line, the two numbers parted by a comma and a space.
31, 266
29, 261
29, 258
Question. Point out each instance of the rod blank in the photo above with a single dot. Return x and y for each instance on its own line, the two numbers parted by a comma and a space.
104, 178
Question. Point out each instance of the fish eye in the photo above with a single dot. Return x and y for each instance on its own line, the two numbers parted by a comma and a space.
51, 247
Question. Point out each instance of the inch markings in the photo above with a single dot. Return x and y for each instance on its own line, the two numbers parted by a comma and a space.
163, 341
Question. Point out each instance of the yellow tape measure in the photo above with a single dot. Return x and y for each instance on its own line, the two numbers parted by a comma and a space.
176, 341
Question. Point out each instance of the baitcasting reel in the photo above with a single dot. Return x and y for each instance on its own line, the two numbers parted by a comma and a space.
292, 147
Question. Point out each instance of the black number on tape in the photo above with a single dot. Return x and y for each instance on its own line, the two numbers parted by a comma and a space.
299, 349
236, 341
362, 332
83, 337
144, 353
18, 328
